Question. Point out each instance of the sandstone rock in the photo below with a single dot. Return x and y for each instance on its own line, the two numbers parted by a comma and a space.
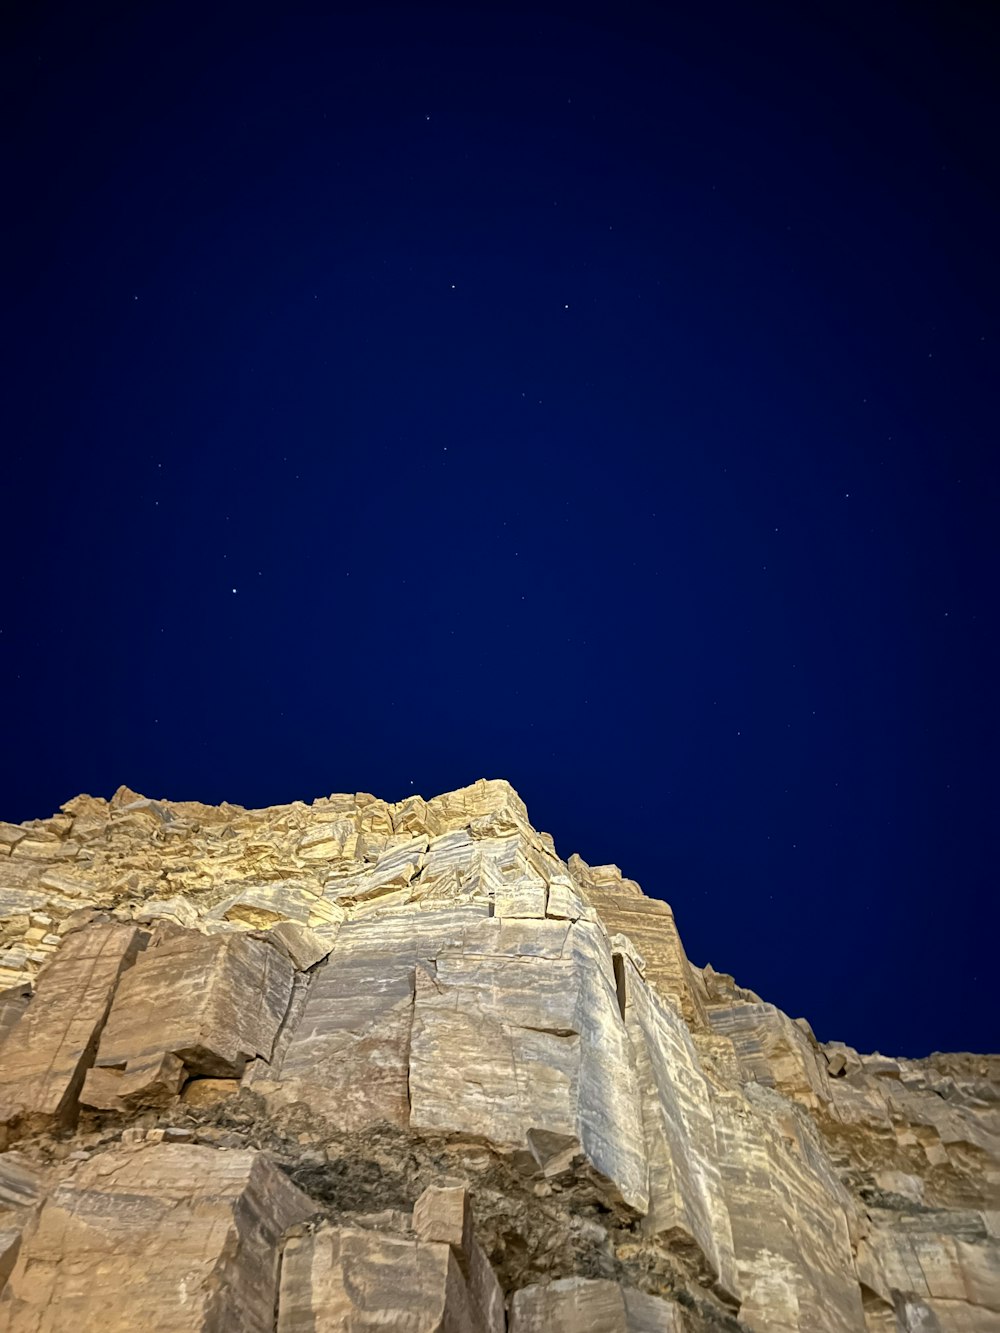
686, 1199
578, 1305
45, 1056
650, 926
186, 1236
941, 1265
101, 1089
209, 1091
178, 910
13, 1002
20, 1182
346, 1278
305, 947
526, 1047
348, 1058
413, 1005
152, 1080
342, 1279
772, 1050
212, 1001
444, 1214
790, 1218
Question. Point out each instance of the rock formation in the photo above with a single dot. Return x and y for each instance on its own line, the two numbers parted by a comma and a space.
356, 1066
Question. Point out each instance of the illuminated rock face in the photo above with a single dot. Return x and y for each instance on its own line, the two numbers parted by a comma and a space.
354, 1065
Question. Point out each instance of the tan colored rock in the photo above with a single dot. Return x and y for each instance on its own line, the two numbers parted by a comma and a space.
13, 1002
212, 1001
581, 1305
21, 1183
209, 1091
791, 1218
305, 947
101, 1090
651, 927
773, 1050
687, 1204
178, 910
165, 1238
518, 1039
421, 994
342, 1279
153, 1080
943, 1265
21, 1189
444, 1214
348, 1058
45, 1056
333, 842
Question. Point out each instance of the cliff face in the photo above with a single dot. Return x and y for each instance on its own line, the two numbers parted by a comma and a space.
356, 1066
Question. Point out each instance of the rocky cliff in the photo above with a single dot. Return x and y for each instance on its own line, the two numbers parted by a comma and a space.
356, 1066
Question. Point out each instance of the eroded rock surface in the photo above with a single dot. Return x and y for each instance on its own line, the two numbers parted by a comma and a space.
356, 1065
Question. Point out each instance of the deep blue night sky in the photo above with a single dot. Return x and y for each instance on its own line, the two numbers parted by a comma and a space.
600, 399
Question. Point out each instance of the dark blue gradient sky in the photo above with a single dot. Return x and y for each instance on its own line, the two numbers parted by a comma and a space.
602, 399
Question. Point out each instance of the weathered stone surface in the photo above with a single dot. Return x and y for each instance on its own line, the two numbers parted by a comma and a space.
166, 1238
578, 1305
305, 947
687, 1204
650, 924
345, 1280
942, 1265
45, 1056
444, 1213
213, 1002
348, 1059
518, 1039
101, 1090
13, 1003
209, 1091
417, 1004
773, 1051
791, 1218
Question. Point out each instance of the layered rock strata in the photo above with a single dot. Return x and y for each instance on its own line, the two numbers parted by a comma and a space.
357, 1065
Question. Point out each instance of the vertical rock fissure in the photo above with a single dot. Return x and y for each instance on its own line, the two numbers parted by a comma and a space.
618, 962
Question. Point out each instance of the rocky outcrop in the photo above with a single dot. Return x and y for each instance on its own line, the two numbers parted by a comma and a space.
356, 1065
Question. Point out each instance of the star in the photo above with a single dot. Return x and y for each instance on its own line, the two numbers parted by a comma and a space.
234, 590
